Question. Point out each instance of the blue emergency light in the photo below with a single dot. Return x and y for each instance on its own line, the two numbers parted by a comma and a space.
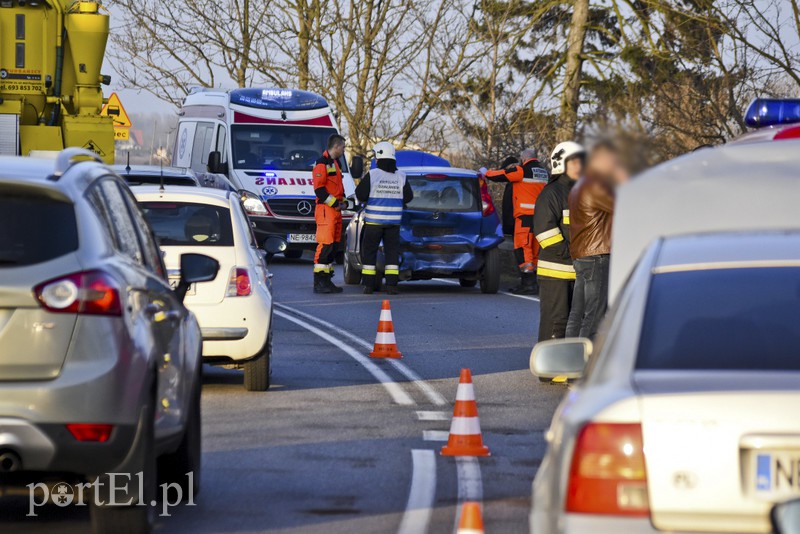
278, 99
416, 158
772, 112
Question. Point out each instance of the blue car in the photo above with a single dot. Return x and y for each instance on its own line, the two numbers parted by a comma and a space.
449, 230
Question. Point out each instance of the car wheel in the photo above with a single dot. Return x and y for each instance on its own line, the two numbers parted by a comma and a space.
173, 468
464, 282
352, 276
490, 277
257, 370
293, 254
339, 257
132, 519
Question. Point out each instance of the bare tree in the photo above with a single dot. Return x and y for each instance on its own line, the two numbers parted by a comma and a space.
570, 97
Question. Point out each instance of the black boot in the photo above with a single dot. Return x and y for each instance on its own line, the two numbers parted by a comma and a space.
328, 280
528, 285
319, 283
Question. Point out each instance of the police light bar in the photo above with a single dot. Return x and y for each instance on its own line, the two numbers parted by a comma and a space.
772, 112
278, 99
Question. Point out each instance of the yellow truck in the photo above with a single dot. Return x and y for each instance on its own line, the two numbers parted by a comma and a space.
51, 52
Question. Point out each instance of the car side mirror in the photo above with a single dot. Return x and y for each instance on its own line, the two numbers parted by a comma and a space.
560, 358
215, 164
274, 245
786, 517
195, 268
357, 167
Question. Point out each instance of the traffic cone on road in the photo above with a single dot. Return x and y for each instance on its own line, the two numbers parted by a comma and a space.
471, 521
385, 343
465, 430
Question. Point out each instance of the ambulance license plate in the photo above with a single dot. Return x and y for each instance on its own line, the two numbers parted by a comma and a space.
302, 238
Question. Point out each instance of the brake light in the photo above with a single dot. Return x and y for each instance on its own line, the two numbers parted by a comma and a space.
88, 293
788, 133
607, 475
487, 206
239, 283
90, 431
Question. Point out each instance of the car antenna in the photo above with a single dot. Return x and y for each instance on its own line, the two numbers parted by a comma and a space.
128, 166
161, 187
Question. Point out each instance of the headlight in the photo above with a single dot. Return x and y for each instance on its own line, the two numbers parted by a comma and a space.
252, 204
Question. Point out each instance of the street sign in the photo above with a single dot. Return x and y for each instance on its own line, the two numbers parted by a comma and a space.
122, 134
116, 111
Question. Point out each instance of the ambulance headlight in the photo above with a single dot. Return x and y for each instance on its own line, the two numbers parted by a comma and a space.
252, 204
772, 112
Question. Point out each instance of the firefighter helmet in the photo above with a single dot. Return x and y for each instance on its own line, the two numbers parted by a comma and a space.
384, 150
561, 153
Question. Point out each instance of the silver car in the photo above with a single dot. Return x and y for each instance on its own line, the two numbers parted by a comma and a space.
99, 359
686, 417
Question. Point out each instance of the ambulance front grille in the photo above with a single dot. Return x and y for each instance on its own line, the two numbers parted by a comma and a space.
292, 207
9, 134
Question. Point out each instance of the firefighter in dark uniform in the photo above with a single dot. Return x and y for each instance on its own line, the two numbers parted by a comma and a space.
551, 228
527, 181
329, 190
385, 192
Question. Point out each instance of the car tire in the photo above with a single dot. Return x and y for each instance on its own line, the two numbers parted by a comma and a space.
352, 276
490, 277
257, 370
465, 282
133, 519
292, 254
173, 467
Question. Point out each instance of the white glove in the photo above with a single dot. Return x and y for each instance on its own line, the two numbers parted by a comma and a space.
483, 171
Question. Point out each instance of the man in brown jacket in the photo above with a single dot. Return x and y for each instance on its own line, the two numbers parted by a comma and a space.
591, 208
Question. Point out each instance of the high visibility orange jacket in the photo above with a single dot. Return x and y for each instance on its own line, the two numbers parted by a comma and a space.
529, 179
328, 185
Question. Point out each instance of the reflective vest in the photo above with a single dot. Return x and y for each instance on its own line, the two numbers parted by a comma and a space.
385, 203
528, 181
327, 174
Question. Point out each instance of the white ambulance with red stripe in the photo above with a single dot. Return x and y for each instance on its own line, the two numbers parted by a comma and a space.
266, 141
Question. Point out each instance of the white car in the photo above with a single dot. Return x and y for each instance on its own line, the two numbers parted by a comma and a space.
686, 418
235, 310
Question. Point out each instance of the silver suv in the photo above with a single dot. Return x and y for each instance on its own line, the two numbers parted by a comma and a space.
99, 359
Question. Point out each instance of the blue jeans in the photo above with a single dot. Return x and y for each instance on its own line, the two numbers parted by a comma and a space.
590, 297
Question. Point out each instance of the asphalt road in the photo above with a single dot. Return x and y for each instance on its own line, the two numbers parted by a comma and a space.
342, 443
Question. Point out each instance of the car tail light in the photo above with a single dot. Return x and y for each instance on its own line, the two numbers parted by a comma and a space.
239, 283
88, 292
788, 133
487, 206
90, 431
608, 475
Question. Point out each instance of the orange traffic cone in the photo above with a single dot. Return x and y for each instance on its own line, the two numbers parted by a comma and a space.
465, 430
471, 521
385, 344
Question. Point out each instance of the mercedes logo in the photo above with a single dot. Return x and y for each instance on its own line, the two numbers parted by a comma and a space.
304, 207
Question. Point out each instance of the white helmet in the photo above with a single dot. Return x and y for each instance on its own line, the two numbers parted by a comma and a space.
384, 150
561, 153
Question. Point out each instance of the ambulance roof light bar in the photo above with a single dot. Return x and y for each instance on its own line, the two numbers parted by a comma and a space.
772, 112
278, 99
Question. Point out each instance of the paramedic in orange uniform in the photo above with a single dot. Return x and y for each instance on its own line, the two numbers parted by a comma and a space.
528, 180
329, 190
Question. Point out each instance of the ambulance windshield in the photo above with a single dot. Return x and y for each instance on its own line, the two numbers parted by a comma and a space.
278, 147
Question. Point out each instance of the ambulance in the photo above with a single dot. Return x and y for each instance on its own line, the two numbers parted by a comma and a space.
266, 142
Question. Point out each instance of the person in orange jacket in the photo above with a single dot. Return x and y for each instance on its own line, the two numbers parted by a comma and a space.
329, 189
527, 179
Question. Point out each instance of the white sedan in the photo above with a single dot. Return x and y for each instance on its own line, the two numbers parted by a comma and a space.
686, 418
234, 311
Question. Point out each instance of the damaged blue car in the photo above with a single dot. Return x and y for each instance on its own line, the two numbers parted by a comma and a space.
450, 230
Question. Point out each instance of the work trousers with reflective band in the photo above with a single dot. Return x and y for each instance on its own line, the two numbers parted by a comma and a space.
590, 298
526, 248
555, 300
371, 241
329, 234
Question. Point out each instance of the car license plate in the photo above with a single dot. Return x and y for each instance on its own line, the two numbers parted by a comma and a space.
173, 283
776, 474
302, 238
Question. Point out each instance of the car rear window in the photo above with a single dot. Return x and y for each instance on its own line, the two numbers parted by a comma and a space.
189, 224
435, 192
722, 319
35, 229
